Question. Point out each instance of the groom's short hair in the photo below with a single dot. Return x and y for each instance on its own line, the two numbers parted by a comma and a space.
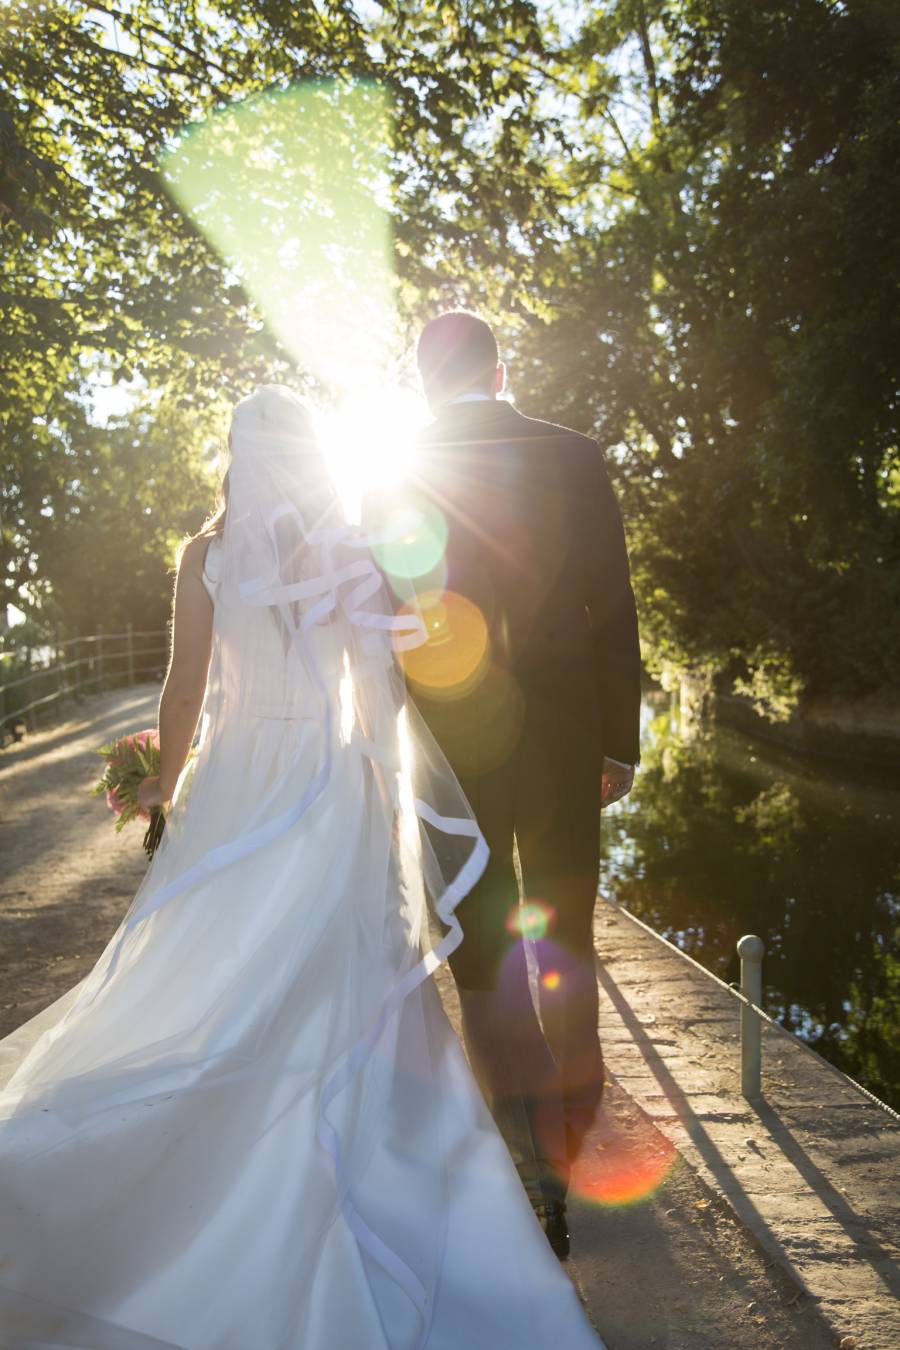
457, 352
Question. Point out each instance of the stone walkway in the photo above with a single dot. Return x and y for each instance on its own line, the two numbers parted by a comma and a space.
812, 1170
666, 1253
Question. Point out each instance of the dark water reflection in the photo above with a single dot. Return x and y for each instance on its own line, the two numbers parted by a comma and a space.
727, 836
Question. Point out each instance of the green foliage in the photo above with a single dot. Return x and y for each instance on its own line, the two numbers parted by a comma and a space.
775, 816
771, 685
678, 211
726, 323
101, 271
133, 491
869, 1048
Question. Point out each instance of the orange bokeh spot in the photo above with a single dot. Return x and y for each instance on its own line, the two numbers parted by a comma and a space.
620, 1173
454, 656
552, 980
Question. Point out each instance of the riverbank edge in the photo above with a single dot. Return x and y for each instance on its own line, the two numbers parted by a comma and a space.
806, 1170
869, 738
865, 733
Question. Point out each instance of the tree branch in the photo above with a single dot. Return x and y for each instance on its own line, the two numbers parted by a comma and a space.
663, 443
649, 65
608, 116
85, 41
118, 16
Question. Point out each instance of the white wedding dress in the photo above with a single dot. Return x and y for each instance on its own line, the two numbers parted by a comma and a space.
251, 1126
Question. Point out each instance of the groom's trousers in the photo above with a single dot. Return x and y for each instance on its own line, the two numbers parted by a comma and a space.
526, 748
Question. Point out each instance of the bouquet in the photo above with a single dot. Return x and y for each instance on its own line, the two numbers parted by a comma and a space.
130, 760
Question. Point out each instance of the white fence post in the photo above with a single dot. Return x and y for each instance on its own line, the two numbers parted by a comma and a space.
751, 950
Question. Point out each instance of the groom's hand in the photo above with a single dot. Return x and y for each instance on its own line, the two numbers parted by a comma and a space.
618, 780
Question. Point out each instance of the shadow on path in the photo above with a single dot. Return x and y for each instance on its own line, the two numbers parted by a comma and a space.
869, 1247
853, 1225
86, 718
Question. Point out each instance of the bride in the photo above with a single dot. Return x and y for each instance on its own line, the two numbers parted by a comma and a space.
251, 1126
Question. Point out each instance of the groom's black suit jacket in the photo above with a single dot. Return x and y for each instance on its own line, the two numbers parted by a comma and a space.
535, 539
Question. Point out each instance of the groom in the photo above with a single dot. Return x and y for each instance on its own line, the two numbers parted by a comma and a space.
539, 723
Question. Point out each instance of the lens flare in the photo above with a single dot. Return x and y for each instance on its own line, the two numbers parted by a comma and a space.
416, 551
620, 1173
552, 980
421, 592
531, 920
455, 655
370, 443
478, 727
293, 190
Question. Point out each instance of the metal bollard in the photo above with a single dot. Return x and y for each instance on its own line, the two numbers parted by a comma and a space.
751, 950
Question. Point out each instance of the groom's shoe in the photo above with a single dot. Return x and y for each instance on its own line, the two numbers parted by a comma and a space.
551, 1216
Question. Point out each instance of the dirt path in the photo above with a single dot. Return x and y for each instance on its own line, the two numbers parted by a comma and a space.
658, 1260
66, 877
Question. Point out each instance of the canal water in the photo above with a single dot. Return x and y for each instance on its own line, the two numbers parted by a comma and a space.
724, 835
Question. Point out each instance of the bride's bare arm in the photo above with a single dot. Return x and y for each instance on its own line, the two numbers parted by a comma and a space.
182, 695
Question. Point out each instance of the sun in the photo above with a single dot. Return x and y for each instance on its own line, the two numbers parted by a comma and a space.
371, 442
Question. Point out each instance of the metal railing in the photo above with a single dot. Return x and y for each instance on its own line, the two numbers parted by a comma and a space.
751, 950
78, 666
753, 1016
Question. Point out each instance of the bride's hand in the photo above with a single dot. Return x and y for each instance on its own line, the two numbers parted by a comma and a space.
618, 780
149, 793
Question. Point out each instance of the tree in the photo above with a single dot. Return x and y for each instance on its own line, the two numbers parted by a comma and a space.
101, 270
135, 489
723, 320
678, 212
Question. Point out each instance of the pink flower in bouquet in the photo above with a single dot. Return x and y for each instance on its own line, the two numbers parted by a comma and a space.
129, 760
139, 740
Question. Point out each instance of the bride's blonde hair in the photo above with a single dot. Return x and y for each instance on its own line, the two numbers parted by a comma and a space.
215, 521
